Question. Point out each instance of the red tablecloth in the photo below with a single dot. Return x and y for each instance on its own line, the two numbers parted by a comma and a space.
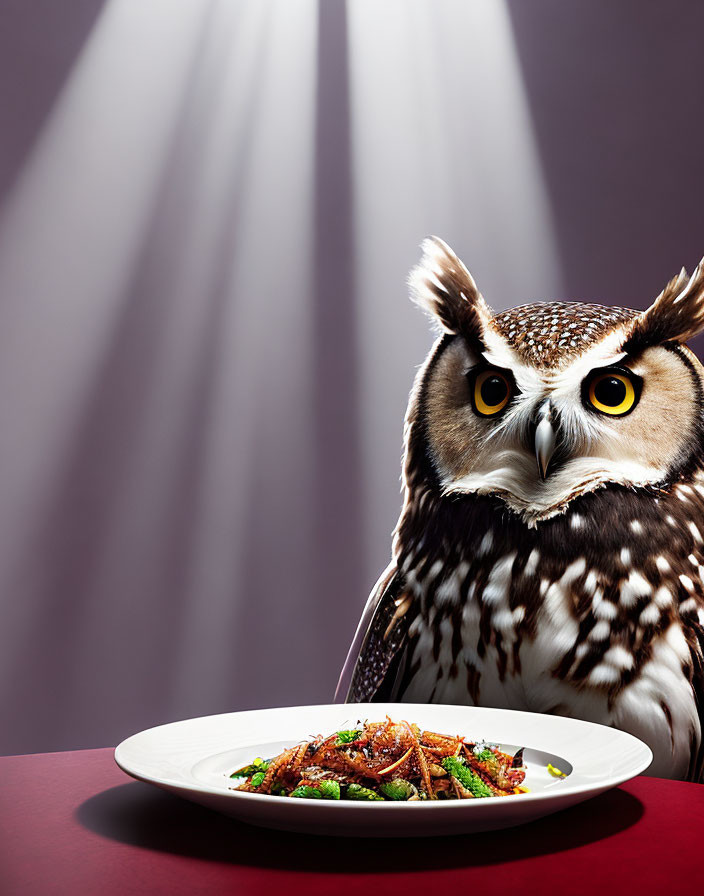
73, 823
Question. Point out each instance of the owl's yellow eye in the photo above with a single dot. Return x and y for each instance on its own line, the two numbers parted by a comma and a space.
613, 392
491, 392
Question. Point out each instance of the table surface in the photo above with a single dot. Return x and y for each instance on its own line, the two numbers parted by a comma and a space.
73, 823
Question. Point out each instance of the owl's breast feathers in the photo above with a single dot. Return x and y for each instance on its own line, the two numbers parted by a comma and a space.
605, 600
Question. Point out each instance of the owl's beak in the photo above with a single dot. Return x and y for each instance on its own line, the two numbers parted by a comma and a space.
545, 438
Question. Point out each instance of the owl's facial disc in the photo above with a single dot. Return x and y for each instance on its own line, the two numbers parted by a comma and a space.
538, 438
597, 428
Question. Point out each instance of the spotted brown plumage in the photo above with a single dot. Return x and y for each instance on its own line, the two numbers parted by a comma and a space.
550, 333
575, 587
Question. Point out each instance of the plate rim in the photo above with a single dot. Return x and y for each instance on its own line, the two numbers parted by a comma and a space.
243, 797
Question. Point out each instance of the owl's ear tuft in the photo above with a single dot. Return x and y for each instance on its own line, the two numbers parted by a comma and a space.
675, 316
443, 287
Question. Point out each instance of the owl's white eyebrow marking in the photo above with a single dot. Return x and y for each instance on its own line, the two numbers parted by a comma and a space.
625, 556
636, 527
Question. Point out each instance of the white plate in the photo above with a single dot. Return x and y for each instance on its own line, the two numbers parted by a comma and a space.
194, 758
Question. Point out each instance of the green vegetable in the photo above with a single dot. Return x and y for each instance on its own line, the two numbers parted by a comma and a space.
257, 765
238, 780
330, 790
398, 789
467, 778
307, 793
347, 737
257, 779
485, 755
357, 792
326, 790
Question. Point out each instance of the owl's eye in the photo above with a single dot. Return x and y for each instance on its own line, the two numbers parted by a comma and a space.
491, 391
614, 391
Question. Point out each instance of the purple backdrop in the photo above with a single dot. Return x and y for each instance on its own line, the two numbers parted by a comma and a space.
205, 345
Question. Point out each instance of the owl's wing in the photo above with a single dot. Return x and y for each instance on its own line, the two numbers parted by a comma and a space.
376, 655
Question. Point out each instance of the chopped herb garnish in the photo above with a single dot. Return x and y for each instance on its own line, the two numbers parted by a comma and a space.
348, 737
257, 765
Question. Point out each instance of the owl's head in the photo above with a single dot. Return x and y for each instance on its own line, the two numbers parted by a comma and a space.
545, 402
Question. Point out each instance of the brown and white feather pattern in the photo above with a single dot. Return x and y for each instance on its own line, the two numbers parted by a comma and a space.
443, 287
676, 315
594, 610
548, 334
589, 615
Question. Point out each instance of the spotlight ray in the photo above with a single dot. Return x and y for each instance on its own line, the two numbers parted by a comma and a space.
442, 143
169, 204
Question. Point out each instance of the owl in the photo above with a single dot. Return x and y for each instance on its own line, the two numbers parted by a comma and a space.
549, 555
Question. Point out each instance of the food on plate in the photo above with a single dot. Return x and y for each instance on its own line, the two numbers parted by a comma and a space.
386, 761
